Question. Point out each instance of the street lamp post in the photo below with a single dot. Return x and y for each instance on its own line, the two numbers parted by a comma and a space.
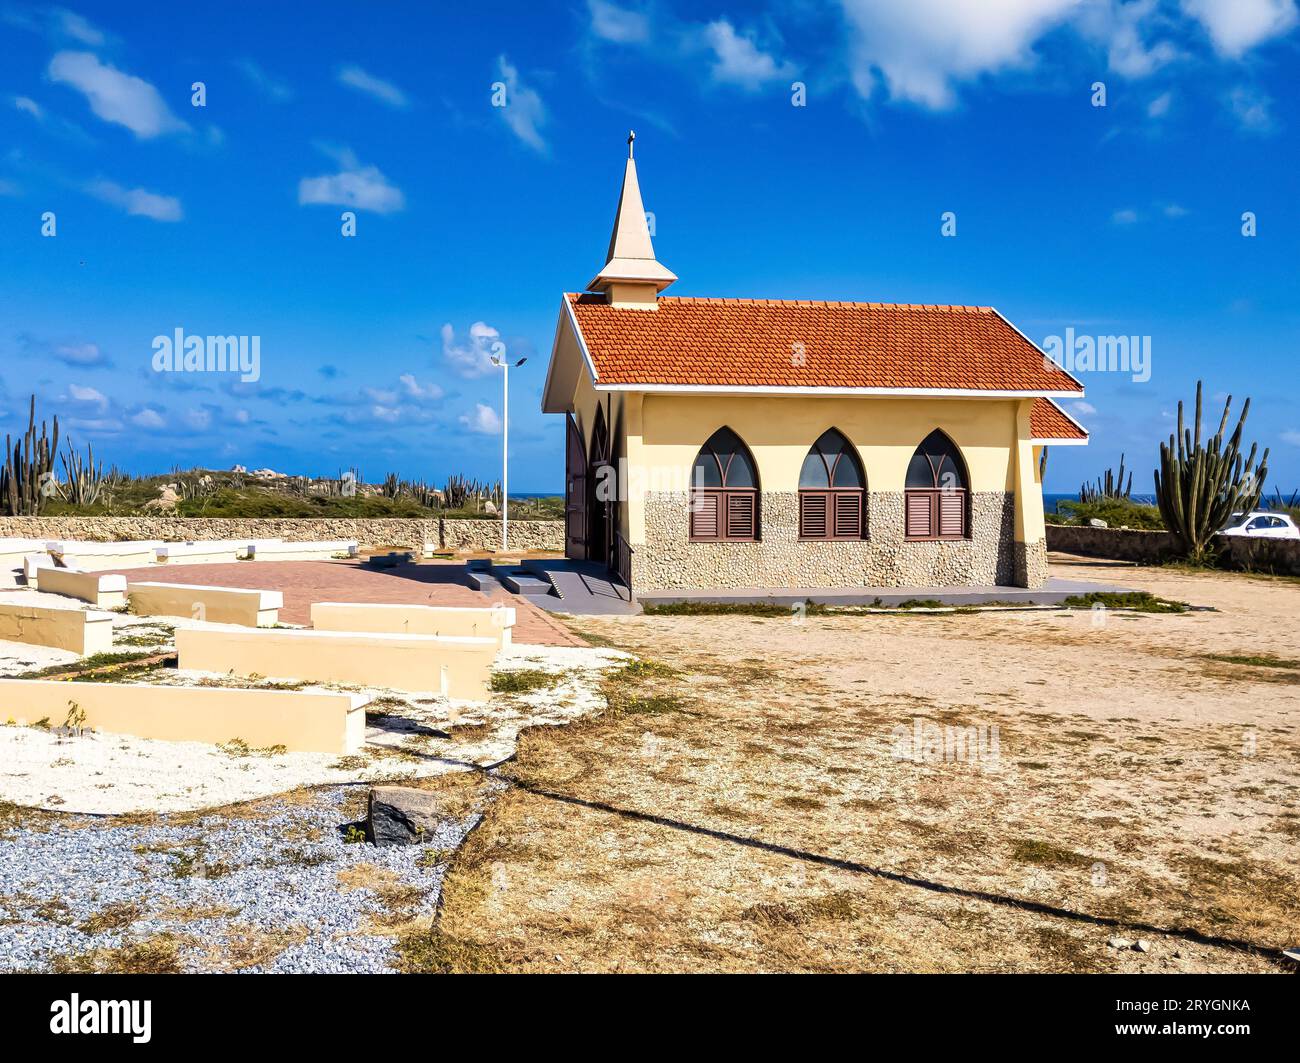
505, 446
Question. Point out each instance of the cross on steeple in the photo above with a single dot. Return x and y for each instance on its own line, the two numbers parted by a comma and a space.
631, 136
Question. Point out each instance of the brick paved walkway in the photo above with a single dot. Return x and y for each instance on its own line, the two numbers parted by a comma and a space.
304, 582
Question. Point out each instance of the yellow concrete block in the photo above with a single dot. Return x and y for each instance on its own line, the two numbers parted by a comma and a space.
197, 553
102, 590
89, 557
14, 551
301, 722
63, 629
491, 622
217, 605
301, 551
454, 666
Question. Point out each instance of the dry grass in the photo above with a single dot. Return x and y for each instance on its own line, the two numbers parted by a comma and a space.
243, 946
113, 917
743, 805
159, 954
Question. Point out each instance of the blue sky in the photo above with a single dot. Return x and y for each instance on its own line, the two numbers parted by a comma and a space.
471, 218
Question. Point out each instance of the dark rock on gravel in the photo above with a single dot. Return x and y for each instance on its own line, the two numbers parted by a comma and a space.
401, 815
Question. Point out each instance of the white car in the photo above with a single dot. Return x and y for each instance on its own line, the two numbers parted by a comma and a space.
1260, 524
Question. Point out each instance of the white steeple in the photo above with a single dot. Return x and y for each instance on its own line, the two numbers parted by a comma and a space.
632, 276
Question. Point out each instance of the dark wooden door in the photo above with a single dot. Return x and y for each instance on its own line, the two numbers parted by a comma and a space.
575, 493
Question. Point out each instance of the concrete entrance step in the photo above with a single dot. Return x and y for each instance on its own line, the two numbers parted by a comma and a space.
583, 587
518, 582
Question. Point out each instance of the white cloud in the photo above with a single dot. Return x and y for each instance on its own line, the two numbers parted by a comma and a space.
1159, 107
148, 418
484, 421
612, 23
413, 389
1291, 436
387, 414
88, 395
471, 357
1174, 210
26, 103
198, 419
384, 396
1126, 216
384, 91
1236, 26
78, 28
1251, 108
1123, 28
277, 90
114, 96
137, 200
362, 187
52, 122
524, 112
1084, 409
739, 61
922, 47
80, 354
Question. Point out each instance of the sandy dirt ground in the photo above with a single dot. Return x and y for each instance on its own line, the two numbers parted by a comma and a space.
993, 791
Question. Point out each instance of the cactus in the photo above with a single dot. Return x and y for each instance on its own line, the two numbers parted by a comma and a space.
27, 477
392, 486
1111, 485
1199, 486
84, 481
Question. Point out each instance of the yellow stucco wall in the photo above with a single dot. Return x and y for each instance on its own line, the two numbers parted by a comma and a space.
992, 434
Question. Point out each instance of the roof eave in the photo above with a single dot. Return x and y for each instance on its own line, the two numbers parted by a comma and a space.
781, 389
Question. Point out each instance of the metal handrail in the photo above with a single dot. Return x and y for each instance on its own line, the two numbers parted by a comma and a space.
623, 561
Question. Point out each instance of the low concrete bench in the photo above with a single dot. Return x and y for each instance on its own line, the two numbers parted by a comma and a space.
32, 563
63, 629
301, 551
494, 622
89, 556
13, 552
197, 553
301, 722
218, 605
103, 590
455, 667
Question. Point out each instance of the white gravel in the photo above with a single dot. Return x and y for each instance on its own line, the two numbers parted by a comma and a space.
408, 736
212, 885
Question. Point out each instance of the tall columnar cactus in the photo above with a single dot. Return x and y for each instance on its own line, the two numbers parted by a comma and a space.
27, 477
84, 479
1110, 486
1199, 486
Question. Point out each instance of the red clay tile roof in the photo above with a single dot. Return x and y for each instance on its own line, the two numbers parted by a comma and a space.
1048, 421
755, 343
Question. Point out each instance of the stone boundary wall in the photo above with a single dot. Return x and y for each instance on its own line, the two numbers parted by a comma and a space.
669, 561
407, 533
1279, 556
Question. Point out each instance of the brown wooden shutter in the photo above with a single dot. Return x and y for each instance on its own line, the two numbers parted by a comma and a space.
848, 515
920, 514
952, 514
813, 522
704, 515
740, 516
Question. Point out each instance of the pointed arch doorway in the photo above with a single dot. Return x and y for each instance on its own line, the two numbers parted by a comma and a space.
600, 484
575, 492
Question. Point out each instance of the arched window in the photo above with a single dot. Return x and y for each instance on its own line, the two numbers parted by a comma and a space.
831, 490
724, 491
936, 498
